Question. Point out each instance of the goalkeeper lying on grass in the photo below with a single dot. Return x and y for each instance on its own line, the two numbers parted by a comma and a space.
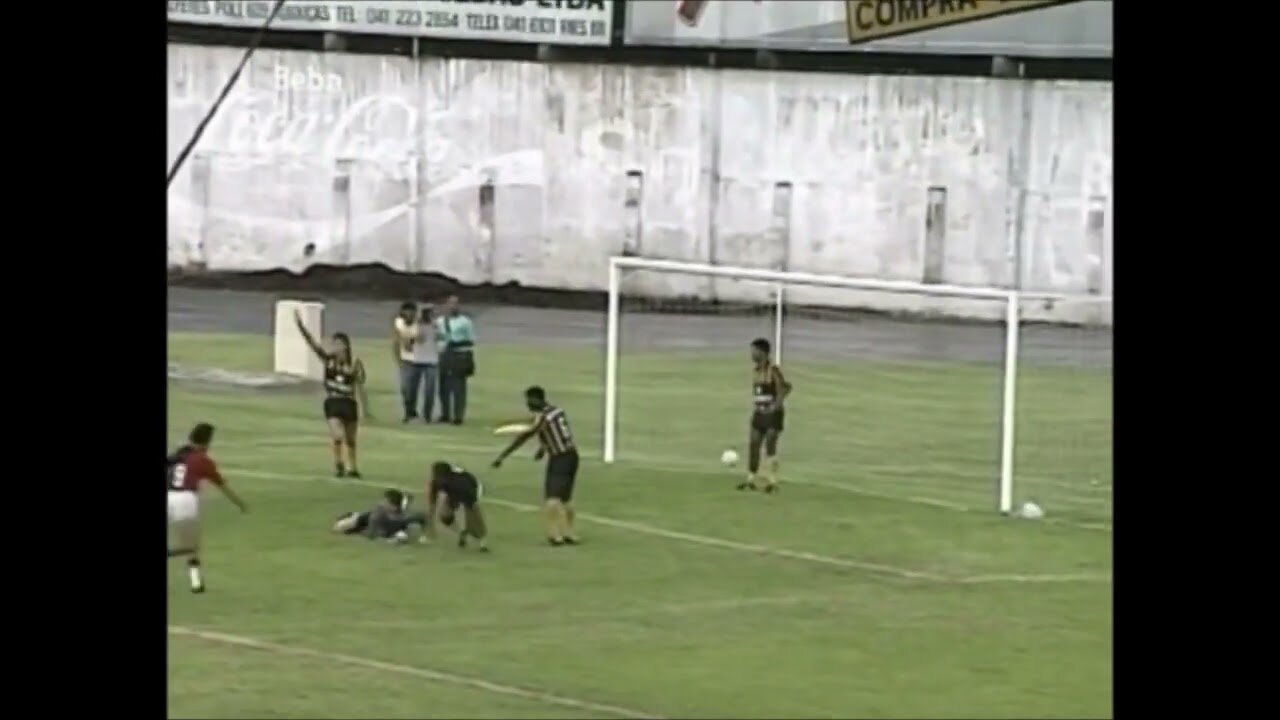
388, 520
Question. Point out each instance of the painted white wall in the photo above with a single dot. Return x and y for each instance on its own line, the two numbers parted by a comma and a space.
418, 139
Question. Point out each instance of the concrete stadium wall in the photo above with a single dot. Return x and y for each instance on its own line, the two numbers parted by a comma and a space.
495, 171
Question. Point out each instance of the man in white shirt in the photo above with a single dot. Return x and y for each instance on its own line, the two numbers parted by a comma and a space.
413, 345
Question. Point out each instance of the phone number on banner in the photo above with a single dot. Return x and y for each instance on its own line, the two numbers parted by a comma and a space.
566, 22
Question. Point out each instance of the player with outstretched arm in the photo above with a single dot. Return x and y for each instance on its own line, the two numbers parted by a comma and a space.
769, 389
344, 380
450, 488
551, 427
188, 467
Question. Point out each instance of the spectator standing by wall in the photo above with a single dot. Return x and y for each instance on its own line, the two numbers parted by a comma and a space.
413, 344
456, 339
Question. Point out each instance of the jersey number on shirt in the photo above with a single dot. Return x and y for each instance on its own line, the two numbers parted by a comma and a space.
177, 478
562, 425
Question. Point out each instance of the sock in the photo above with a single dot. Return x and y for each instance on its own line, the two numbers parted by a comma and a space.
553, 523
561, 531
771, 474
193, 570
568, 523
351, 457
753, 467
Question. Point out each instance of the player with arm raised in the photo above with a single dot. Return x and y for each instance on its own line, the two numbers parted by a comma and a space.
450, 488
769, 390
344, 380
551, 426
187, 468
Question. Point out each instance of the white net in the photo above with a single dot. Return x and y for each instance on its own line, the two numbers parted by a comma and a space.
1063, 442
907, 408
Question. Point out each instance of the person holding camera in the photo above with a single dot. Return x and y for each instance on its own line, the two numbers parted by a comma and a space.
413, 345
456, 340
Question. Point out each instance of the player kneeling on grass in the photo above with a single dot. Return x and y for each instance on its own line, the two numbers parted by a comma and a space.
389, 520
451, 488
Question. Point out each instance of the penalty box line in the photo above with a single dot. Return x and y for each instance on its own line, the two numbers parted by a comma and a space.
709, 541
663, 464
419, 672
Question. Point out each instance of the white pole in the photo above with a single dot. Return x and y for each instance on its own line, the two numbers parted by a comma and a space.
800, 278
611, 364
415, 164
1009, 403
777, 323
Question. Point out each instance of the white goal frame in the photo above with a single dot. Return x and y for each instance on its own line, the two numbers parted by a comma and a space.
1012, 300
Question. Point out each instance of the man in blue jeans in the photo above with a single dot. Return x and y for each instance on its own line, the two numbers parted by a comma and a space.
413, 345
456, 340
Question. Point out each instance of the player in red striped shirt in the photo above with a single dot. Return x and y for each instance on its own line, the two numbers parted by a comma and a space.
187, 468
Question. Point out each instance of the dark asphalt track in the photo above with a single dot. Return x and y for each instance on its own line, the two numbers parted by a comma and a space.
201, 310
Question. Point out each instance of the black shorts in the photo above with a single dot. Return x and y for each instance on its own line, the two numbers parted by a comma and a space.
766, 421
562, 473
341, 408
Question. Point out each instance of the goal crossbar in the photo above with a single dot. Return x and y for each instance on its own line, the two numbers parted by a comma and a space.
904, 287
1011, 299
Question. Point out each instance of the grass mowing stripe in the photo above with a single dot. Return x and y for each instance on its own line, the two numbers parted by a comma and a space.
644, 528
425, 673
659, 462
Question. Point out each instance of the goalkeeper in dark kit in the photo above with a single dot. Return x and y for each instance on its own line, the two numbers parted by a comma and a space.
389, 520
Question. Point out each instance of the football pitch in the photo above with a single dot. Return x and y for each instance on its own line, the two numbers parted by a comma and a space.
879, 583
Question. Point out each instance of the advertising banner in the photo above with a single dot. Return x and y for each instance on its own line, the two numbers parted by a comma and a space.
563, 22
1032, 28
871, 19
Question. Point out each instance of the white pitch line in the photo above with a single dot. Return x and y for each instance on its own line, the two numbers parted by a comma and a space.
723, 544
1038, 579
426, 673
661, 463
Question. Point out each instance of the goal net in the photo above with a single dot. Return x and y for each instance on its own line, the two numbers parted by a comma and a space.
911, 392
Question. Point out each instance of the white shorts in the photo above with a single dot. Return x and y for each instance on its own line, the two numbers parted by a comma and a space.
184, 507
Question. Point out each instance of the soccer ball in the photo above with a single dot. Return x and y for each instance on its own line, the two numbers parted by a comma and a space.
1031, 511
728, 458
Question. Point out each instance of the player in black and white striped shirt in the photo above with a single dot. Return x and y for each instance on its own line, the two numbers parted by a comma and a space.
551, 427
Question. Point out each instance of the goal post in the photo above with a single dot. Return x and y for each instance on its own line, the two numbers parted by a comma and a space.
778, 294
292, 356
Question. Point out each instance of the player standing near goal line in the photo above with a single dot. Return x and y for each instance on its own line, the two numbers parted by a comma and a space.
769, 389
344, 378
551, 426
187, 468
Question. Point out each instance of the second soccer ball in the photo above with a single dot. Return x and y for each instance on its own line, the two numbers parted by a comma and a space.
729, 458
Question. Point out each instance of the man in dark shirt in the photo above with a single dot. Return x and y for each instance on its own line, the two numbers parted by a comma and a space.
451, 488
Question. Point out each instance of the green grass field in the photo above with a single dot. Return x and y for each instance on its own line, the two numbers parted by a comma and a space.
879, 583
